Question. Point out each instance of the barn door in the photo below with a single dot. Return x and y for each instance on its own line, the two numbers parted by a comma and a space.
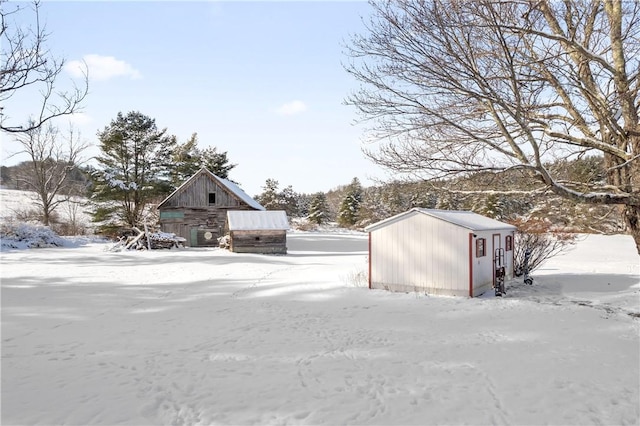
193, 240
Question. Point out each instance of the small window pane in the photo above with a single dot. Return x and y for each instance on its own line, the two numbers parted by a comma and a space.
508, 243
480, 247
212, 198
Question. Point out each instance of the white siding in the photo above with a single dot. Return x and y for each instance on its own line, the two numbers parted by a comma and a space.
509, 254
483, 267
421, 253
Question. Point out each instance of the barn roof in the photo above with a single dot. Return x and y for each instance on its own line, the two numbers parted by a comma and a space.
224, 183
253, 220
465, 219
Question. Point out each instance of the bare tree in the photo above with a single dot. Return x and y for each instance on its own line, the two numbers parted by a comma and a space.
451, 87
52, 159
541, 241
27, 66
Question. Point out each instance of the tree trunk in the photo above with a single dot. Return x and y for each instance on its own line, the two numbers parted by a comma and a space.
632, 219
46, 217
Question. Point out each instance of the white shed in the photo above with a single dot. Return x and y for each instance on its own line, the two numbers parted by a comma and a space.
438, 252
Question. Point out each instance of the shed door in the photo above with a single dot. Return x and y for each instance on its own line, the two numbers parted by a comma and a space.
496, 245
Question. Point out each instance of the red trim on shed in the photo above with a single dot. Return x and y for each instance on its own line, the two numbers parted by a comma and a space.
470, 264
369, 260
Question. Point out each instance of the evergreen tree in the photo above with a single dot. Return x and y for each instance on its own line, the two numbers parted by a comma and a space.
187, 159
216, 162
134, 167
492, 206
318, 209
288, 201
269, 197
303, 202
448, 201
350, 206
274, 199
373, 208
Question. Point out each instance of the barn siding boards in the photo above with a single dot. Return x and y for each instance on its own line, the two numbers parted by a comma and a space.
428, 251
261, 242
188, 213
197, 195
263, 232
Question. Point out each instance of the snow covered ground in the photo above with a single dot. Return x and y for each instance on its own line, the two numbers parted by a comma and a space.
21, 203
205, 336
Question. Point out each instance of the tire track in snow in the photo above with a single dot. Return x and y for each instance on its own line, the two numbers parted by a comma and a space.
240, 292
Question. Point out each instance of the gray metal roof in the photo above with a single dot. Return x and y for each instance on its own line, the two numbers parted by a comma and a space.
465, 219
256, 220
240, 193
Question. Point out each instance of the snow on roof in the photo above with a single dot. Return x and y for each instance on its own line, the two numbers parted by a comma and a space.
254, 220
465, 219
240, 193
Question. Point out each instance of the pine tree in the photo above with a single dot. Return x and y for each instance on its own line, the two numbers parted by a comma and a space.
318, 209
187, 159
216, 162
288, 200
134, 167
350, 206
492, 206
448, 201
274, 199
269, 197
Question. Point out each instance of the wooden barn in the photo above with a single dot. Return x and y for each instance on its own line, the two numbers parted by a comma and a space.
439, 252
197, 210
258, 231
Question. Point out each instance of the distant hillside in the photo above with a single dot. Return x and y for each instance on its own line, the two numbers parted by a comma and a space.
70, 218
514, 195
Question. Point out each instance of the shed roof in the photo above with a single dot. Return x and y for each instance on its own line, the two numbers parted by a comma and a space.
465, 219
254, 220
224, 183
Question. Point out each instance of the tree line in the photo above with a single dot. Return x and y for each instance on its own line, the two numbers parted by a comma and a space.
511, 197
449, 89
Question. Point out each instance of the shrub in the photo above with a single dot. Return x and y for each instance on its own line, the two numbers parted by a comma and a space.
23, 235
541, 240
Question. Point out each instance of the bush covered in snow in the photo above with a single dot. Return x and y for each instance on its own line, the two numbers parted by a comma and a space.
23, 235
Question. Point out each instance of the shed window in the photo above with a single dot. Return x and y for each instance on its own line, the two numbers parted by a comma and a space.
481, 244
508, 243
212, 198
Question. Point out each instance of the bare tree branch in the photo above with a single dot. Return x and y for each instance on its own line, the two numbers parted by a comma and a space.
52, 160
452, 87
26, 65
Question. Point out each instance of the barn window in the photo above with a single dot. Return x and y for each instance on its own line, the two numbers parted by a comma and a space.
481, 244
212, 198
508, 243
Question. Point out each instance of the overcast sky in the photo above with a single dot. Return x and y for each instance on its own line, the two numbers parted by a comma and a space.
263, 81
